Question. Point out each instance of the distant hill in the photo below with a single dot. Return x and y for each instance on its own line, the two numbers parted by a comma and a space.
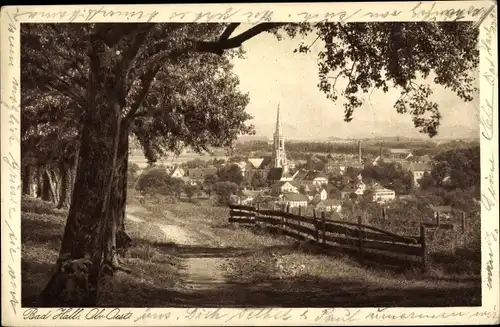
249, 138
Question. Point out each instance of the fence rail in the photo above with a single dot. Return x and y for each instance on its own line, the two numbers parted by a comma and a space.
354, 236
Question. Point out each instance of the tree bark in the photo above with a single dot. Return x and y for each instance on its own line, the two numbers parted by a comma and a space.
53, 184
26, 180
39, 183
89, 238
119, 196
45, 191
65, 186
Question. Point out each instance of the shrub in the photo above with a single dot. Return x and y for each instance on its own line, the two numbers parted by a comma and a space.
158, 181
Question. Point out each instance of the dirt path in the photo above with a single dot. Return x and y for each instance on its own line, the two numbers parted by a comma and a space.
199, 272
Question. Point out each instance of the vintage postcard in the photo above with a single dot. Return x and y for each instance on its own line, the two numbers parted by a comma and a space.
250, 164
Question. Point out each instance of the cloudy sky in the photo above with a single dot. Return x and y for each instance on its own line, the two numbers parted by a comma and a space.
273, 75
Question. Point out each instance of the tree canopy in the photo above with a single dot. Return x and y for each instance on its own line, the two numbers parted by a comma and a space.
396, 54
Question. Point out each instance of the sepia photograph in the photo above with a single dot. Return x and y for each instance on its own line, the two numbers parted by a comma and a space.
250, 165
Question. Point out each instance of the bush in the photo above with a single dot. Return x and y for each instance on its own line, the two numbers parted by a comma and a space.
158, 181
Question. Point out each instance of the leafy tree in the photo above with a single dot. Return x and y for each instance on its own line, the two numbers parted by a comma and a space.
461, 164
190, 191
158, 181
258, 181
119, 76
224, 190
196, 163
231, 173
427, 181
209, 182
389, 175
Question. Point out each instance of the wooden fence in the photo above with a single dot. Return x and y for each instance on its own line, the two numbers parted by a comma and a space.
341, 234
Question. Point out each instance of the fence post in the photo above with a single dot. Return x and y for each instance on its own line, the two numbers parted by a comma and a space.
360, 235
438, 222
257, 213
323, 225
316, 224
463, 221
424, 248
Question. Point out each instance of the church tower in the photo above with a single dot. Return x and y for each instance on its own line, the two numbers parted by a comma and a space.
279, 154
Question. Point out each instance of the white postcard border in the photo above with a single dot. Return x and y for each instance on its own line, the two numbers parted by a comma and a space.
484, 13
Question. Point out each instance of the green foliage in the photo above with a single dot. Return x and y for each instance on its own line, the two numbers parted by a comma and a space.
258, 181
190, 190
231, 173
209, 182
224, 190
158, 181
154, 78
382, 55
461, 166
389, 175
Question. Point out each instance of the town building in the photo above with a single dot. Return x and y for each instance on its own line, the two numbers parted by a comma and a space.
418, 169
382, 194
310, 177
281, 187
316, 192
327, 205
294, 200
177, 172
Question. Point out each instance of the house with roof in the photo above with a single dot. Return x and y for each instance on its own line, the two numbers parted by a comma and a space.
279, 174
311, 177
442, 211
316, 192
358, 188
399, 153
382, 194
294, 200
327, 205
177, 172
424, 159
418, 169
281, 187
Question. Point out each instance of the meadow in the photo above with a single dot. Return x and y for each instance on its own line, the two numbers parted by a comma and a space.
254, 267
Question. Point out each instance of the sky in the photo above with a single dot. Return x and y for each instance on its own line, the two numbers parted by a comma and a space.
273, 74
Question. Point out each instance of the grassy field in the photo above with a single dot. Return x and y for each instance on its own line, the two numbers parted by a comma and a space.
257, 268
42, 228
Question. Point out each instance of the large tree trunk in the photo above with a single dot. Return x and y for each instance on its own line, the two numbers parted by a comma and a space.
54, 185
65, 186
26, 180
39, 183
89, 240
45, 191
119, 197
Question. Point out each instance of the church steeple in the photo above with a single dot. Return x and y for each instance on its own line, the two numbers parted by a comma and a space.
279, 154
277, 130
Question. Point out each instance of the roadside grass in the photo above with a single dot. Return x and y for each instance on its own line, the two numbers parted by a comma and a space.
277, 265
42, 228
208, 221
275, 271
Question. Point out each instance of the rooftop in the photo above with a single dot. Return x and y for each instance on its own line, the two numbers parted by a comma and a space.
294, 197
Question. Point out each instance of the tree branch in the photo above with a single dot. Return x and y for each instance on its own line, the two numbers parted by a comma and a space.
219, 46
228, 31
64, 87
